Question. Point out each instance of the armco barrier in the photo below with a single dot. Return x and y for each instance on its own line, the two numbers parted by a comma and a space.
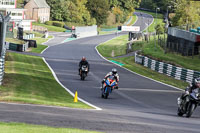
2, 62
167, 69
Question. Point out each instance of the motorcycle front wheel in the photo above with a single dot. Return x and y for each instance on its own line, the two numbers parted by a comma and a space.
179, 112
190, 110
83, 75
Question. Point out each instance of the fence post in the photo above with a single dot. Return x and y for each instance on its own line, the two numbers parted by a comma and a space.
3, 26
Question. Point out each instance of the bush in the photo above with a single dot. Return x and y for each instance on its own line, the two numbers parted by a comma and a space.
58, 24
49, 22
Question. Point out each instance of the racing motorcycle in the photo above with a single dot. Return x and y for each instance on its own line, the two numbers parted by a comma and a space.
83, 72
108, 86
189, 103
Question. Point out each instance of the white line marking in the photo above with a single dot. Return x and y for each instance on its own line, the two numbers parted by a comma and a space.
71, 93
49, 40
134, 72
45, 49
45, 44
151, 22
149, 90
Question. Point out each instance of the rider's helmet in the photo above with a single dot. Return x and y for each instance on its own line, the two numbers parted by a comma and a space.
197, 82
83, 58
114, 71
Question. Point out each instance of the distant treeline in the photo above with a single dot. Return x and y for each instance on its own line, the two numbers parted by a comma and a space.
90, 12
181, 11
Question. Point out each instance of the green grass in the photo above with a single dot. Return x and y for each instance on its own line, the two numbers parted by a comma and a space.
131, 65
40, 47
118, 45
29, 80
172, 58
148, 49
133, 20
15, 40
37, 34
159, 20
27, 128
51, 28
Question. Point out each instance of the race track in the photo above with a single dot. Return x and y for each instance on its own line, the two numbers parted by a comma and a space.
140, 105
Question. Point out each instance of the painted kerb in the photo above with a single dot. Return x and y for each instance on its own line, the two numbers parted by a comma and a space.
167, 69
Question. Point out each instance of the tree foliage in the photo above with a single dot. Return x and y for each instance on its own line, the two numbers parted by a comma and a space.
186, 12
70, 11
153, 4
99, 10
91, 11
123, 8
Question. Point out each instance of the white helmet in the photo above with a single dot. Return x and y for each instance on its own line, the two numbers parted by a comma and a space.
114, 70
196, 81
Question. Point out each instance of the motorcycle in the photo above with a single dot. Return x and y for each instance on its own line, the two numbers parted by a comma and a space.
83, 72
189, 103
109, 85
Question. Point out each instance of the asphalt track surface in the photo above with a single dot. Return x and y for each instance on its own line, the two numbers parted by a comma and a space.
141, 105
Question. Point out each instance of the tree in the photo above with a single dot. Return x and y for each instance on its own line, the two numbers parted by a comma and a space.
99, 10
56, 10
70, 11
20, 3
123, 8
159, 29
186, 12
83, 14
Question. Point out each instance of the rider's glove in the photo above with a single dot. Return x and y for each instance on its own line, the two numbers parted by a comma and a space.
103, 81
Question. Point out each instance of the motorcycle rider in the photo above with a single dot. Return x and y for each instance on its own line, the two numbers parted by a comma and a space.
189, 89
83, 62
113, 73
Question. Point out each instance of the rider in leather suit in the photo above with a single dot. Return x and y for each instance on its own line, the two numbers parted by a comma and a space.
188, 90
83, 62
114, 73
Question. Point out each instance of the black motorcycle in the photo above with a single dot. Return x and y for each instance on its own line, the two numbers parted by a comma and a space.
189, 103
83, 72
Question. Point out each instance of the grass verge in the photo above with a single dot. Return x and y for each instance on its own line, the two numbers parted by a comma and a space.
15, 41
40, 47
149, 49
133, 20
27, 128
131, 65
114, 47
119, 46
51, 28
29, 80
